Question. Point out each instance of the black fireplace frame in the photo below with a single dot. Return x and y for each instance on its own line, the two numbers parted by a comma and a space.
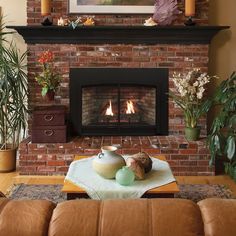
82, 77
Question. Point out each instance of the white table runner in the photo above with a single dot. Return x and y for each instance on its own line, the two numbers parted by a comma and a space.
82, 174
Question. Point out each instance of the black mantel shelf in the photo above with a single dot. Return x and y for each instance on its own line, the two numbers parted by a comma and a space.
118, 34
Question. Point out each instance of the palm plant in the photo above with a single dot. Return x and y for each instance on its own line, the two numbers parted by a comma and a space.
13, 93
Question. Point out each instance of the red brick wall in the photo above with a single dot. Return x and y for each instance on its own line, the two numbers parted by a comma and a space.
175, 57
60, 8
185, 158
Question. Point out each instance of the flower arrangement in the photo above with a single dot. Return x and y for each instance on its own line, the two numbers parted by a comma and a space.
191, 88
48, 79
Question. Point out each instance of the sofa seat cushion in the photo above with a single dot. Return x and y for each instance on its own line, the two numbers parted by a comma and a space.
25, 217
218, 216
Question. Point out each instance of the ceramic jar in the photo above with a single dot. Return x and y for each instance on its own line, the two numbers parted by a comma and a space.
108, 162
125, 176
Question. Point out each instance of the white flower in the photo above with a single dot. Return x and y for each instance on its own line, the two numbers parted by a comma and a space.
199, 95
192, 90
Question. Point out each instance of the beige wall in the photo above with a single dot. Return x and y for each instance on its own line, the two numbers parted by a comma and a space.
223, 46
14, 12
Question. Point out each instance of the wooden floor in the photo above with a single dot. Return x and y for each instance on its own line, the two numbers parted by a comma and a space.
8, 179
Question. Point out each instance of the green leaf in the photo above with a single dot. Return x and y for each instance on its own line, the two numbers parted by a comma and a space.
232, 121
230, 147
227, 167
234, 175
44, 91
216, 142
231, 171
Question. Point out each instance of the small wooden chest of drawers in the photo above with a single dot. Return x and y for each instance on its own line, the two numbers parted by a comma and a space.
49, 124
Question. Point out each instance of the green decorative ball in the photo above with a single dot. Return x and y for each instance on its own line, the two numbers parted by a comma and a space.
125, 176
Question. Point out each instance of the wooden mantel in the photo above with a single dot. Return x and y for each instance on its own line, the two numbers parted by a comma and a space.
118, 34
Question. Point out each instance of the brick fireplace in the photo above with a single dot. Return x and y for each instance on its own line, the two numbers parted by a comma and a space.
174, 48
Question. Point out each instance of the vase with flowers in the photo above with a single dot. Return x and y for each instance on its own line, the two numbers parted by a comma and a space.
49, 79
190, 97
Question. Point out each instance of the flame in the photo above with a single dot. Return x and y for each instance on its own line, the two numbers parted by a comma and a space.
109, 110
130, 107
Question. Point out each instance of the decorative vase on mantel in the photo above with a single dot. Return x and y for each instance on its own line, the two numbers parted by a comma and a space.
192, 134
50, 95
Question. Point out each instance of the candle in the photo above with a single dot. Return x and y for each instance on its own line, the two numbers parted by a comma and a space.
189, 7
45, 7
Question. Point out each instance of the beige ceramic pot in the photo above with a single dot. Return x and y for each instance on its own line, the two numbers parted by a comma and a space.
7, 160
108, 162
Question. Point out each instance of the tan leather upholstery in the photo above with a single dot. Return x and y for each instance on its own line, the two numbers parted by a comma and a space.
219, 216
150, 217
126, 218
170, 215
25, 218
140, 217
78, 217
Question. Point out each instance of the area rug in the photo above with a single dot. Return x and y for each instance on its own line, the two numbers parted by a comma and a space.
194, 192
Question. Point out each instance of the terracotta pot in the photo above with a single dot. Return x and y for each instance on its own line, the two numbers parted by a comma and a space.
7, 160
192, 134
50, 95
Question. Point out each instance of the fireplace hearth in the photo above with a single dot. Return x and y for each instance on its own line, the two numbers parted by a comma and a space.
118, 101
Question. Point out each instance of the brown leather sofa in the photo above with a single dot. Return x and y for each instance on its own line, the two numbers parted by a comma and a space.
141, 217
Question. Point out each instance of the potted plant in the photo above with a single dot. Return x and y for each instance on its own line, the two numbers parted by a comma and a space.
13, 102
49, 79
222, 136
191, 88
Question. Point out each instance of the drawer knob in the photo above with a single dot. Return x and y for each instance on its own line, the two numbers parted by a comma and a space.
48, 132
48, 117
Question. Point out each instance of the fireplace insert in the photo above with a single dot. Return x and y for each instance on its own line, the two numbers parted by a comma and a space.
118, 101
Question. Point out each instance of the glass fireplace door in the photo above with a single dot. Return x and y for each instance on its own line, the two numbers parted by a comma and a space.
99, 105
118, 106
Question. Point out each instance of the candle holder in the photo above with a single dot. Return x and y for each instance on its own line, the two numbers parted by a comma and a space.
189, 21
47, 20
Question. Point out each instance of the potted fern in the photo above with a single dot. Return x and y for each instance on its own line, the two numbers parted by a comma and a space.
13, 102
222, 137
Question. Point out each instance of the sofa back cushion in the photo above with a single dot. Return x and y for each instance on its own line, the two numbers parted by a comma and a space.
219, 216
76, 217
143, 217
25, 217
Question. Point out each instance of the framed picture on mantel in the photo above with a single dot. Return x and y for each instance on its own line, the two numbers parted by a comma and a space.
111, 6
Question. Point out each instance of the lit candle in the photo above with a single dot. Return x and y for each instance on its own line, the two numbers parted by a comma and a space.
189, 7
45, 7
